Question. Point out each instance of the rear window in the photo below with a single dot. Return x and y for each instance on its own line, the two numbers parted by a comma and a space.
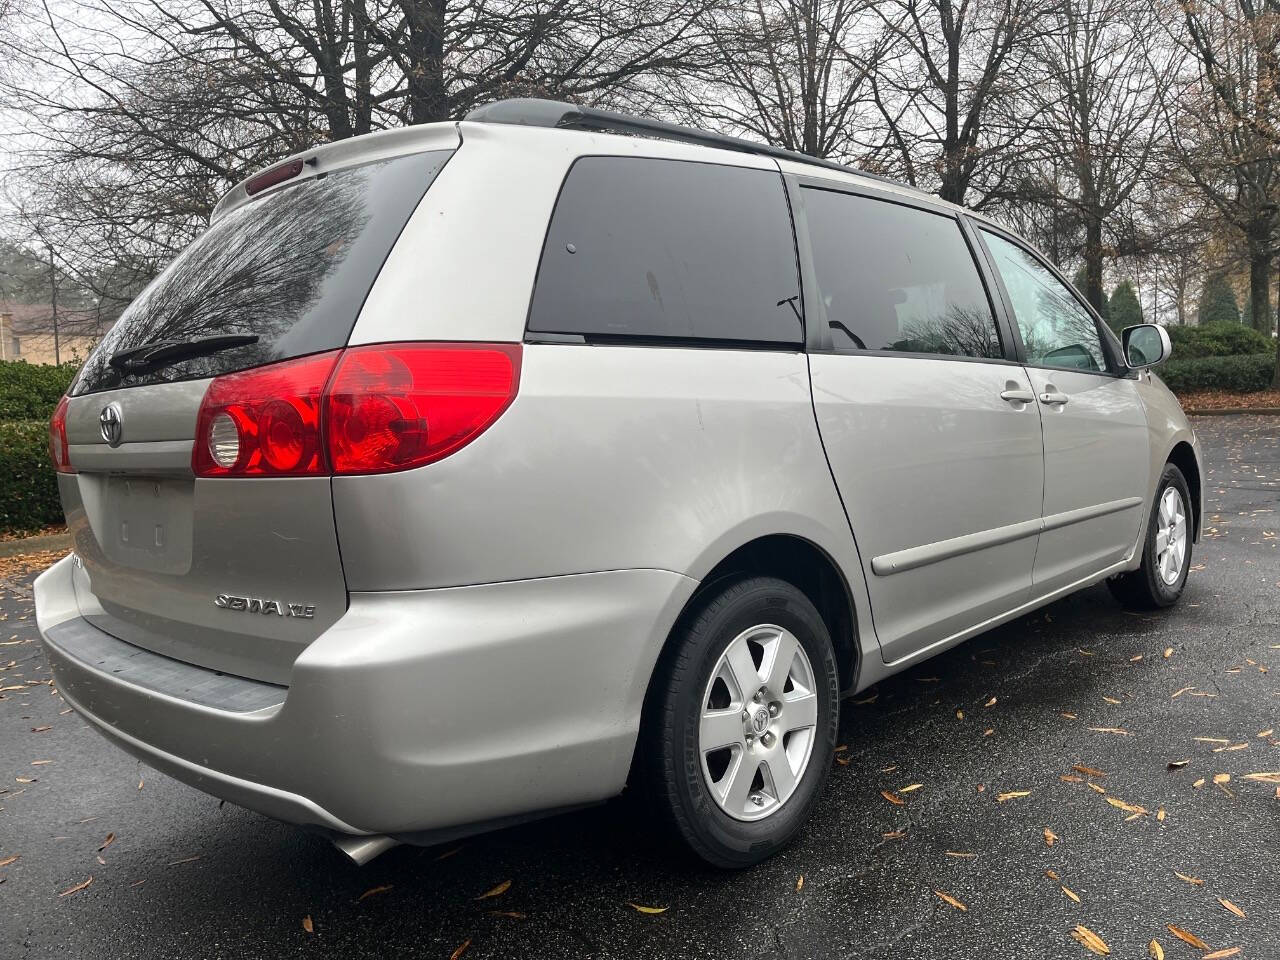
669, 250
292, 267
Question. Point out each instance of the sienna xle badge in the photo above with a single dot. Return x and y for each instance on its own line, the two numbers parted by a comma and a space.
471, 472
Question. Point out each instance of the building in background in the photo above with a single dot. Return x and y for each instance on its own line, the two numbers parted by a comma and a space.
27, 333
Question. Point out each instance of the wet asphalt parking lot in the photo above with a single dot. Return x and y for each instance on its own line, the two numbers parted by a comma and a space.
991, 731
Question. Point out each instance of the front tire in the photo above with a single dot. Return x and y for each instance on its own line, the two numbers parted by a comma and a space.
742, 721
1166, 554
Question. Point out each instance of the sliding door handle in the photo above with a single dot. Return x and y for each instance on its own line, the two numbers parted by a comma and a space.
1053, 398
1017, 396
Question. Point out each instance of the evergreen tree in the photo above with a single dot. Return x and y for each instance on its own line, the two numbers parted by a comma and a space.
1218, 301
1125, 310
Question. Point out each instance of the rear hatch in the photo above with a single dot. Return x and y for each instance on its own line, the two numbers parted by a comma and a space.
236, 574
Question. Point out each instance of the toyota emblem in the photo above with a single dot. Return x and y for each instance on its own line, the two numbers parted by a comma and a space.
109, 423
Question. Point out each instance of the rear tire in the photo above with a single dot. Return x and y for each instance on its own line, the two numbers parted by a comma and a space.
1166, 553
741, 724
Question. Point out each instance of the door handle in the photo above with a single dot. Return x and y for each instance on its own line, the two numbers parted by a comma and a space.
1017, 396
1053, 398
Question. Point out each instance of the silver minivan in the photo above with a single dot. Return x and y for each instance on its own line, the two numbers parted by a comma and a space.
466, 473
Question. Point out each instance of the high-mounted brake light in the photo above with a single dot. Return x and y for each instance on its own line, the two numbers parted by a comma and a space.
369, 409
58, 450
269, 178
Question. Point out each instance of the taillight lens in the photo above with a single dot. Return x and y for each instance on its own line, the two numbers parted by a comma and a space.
58, 451
401, 406
264, 422
386, 407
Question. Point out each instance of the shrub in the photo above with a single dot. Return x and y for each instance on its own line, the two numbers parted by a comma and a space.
28, 484
1247, 373
1218, 302
1218, 340
30, 392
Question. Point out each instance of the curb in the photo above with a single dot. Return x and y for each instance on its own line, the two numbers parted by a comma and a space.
50, 541
1234, 411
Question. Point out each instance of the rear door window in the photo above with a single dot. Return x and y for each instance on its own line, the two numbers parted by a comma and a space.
897, 279
292, 267
666, 250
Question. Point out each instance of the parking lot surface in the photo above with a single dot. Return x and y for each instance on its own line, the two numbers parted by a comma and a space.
1031, 769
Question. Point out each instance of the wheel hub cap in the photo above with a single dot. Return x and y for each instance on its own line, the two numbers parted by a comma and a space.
1171, 536
758, 722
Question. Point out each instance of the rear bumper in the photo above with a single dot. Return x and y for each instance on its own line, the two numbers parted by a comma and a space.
417, 711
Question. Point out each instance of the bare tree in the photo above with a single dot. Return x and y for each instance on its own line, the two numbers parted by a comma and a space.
1099, 106
1224, 127
953, 107
793, 73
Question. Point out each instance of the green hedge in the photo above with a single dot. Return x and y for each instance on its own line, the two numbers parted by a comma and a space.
28, 485
30, 392
1218, 340
1245, 374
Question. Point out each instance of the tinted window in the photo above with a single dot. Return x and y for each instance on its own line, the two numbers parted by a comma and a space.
671, 250
897, 278
292, 267
1056, 330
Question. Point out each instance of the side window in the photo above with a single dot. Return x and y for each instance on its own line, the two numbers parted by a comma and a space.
1056, 330
668, 249
897, 278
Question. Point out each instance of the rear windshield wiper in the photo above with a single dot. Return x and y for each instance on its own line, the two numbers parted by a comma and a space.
161, 353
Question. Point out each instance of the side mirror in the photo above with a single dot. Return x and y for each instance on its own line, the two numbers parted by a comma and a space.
1145, 345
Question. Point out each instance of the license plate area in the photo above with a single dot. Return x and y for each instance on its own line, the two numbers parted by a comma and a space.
147, 523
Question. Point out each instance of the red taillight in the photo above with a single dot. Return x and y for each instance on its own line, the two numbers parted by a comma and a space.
398, 406
264, 422
386, 407
58, 451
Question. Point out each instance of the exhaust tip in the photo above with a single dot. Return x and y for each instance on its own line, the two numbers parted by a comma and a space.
363, 849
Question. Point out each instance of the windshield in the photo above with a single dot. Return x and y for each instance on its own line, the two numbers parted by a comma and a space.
291, 268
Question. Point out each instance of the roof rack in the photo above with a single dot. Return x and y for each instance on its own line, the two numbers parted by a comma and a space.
533, 112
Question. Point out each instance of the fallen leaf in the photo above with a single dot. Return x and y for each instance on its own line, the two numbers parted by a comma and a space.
1199, 783
1135, 659
513, 914
1069, 716
961, 855
174, 863
1088, 771
643, 909
1116, 730
1071, 778
1050, 838
76, 889
1181, 692
307, 925
1187, 937
1160, 814
1071, 894
111, 838
799, 883
1126, 807
1263, 734
911, 787
1221, 954
448, 853
497, 891
1111, 700
893, 798
1232, 748
1094, 787
462, 948
1222, 778
1271, 776
8, 860
959, 714
1210, 740
990, 703
42, 729
947, 898
1012, 794
1177, 764
843, 760
373, 892
894, 835
1232, 907
1090, 941
1168, 652
1155, 951
1051, 875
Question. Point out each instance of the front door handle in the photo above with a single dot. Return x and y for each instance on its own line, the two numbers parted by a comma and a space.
1053, 398
1017, 396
